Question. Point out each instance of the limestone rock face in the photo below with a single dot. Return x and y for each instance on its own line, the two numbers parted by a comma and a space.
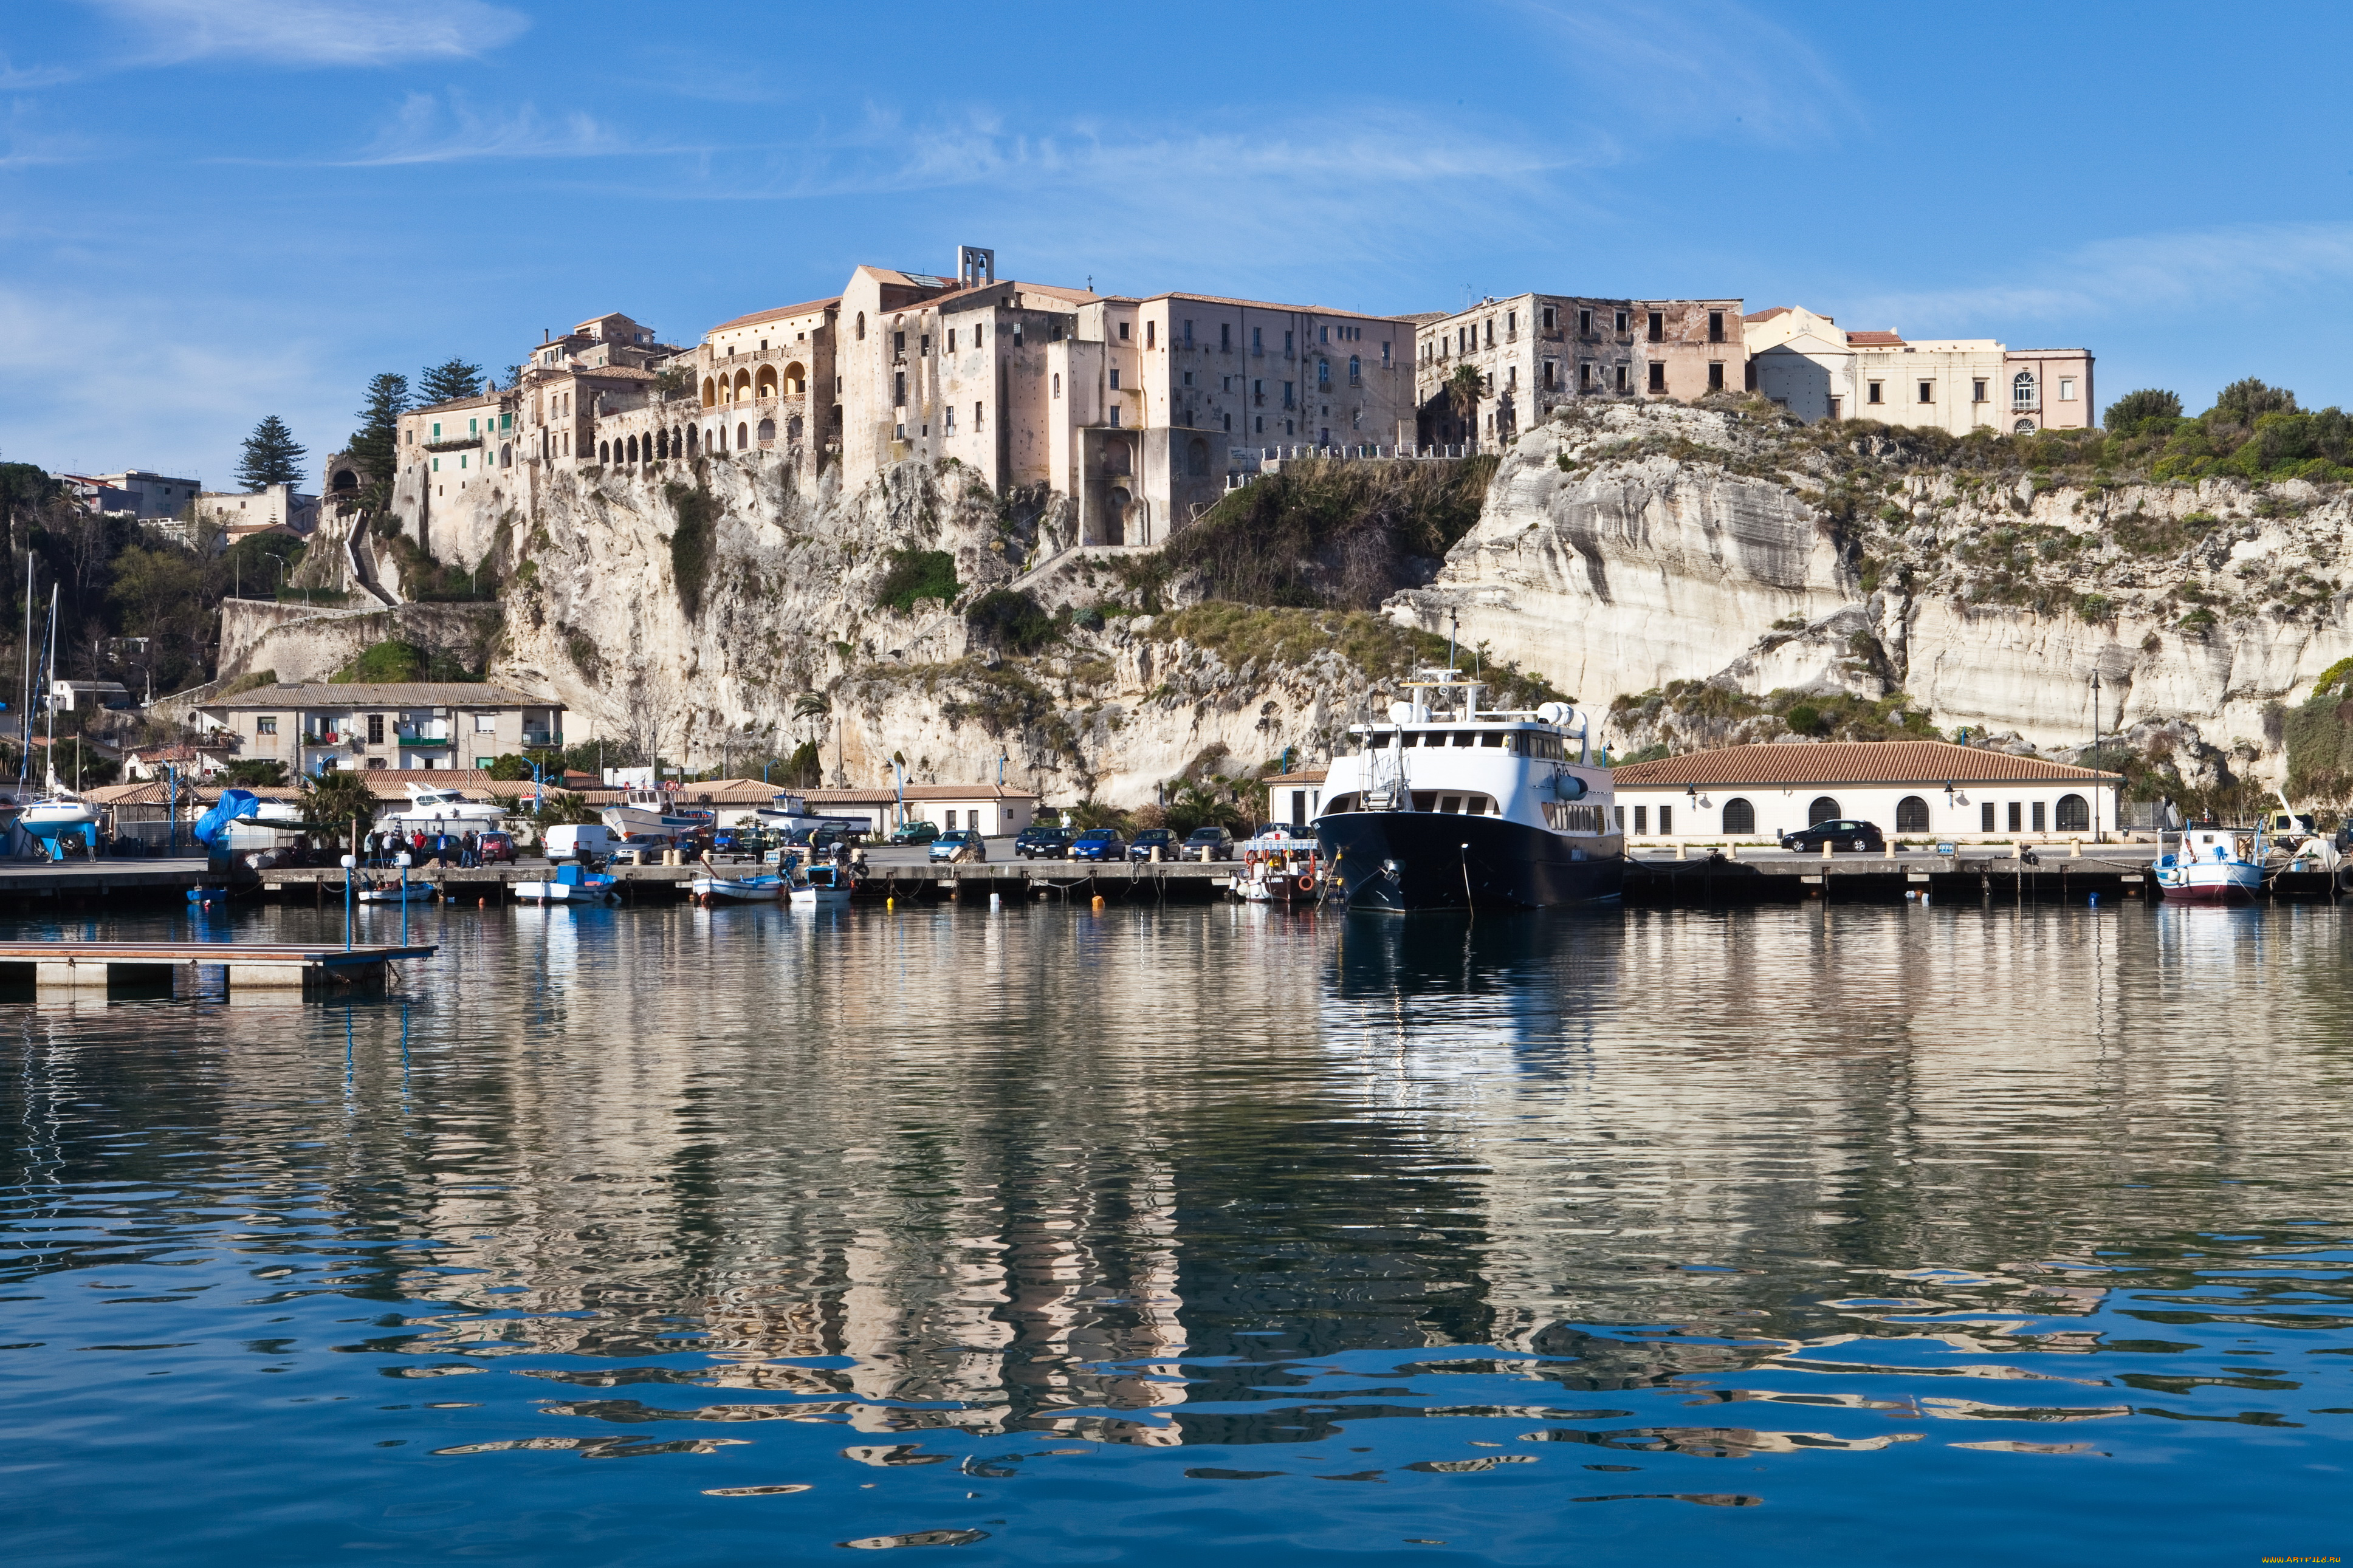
1618, 575
1641, 545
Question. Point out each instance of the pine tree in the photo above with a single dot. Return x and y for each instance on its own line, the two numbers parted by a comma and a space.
271, 457
375, 447
453, 378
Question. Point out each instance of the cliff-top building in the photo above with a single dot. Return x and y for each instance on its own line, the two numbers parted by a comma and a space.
1535, 352
1809, 364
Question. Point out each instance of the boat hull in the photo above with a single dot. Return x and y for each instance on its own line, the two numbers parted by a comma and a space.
739, 888
2235, 883
1403, 861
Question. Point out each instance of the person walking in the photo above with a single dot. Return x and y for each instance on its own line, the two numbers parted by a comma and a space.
470, 850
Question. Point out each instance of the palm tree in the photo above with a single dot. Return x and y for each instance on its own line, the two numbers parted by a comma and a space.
1463, 390
338, 799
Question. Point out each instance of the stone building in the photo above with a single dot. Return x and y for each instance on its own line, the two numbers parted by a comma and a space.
1535, 351
1809, 364
241, 514
135, 491
420, 725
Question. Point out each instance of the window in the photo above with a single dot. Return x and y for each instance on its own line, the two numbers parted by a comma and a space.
1585, 376
2074, 813
1491, 332
1585, 323
1151, 330
1510, 325
978, 336
1257, 340
2038, 817
1977, 392
1189, 378
436, 429
1123, 332
1551, 375
1911, 814
861, 326
1872, 395
1658, 376
1621, 378
899, 391
1641, 819
1287, 393
486, 723
1323, 334
927, 343
1666, 820
1927, 391
1740, 816
1715, 375
898, 342
947, 424
1286, 345
1823, 809
951, 340
266, 725
1225, 337
2017, 818
1385, 355
1356, 370
2023, 427
1323, 374
1188, 334
980, 417
952, 816
1658, 326
2022, 390
2066, 389
1984, 817
1114, 415
1716, 326
1057, 392
1114, 380
437, 465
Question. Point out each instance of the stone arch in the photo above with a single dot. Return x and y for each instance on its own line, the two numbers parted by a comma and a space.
1740, 816
795, 380
710, 393
661, 444
506, 454
604, 451
2023, 427
1912, 814
793, 428
742, 385
861, 326
767, 431
691, 436
764, 386
346, 479
743, 436
630, 452
1823, 809
2073, 815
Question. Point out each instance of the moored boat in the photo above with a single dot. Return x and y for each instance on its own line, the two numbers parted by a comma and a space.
712, 888
438, 809
397, 893
2208, 868
570, 884
822, 888
1447, 808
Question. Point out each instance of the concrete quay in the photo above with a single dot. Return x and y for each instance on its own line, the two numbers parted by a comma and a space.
276, 967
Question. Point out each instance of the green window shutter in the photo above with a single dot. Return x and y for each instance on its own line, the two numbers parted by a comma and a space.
437, 465
436, 429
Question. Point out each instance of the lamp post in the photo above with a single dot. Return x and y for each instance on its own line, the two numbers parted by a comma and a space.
349, 861
2097, 838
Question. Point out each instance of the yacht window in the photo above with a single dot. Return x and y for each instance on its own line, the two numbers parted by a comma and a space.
1423, 800
1466, 737
1491, 737
1450, 805
1479, 804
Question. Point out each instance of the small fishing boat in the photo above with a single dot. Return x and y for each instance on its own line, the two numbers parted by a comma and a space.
1279, 879
711, 887
397, 893
2210, 870
823, 887
570, 884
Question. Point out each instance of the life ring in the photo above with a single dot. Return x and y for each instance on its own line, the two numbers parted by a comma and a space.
1307, 884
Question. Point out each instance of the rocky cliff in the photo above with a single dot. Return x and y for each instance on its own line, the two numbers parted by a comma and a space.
1675, 562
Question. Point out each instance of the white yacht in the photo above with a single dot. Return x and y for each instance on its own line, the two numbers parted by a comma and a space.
1450, 807
442, 810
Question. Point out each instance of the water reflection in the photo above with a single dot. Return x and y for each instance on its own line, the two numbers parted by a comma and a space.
863, 1212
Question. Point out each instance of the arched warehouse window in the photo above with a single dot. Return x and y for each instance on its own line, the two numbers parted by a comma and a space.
743, 436
1824, 810
1911, 814
1740, 816
2074, 813
604, 451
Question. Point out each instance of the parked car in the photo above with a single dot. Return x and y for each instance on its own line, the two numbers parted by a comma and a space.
497, 845
1035, 843
1844, 835
1141, 847
959, 843
916, 832
1217, 841
1098, 844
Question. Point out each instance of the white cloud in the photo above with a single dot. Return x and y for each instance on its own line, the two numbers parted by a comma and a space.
426, 131
2132, 273
318, 32
1710, 67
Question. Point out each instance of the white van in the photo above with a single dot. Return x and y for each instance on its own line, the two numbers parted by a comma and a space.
575, 840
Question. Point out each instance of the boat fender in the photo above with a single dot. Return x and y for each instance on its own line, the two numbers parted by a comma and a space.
1567, 786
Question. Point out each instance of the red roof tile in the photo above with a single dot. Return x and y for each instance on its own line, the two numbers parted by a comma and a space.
1850, 762
1874, 340
756, 317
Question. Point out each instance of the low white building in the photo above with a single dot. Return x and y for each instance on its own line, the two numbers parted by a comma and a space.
1295, 799
991, 810
1924, 790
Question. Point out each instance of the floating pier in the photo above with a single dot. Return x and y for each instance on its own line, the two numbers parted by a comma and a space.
277, 967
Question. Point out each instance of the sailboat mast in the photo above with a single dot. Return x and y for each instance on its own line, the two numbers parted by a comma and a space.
48, 679
25, 714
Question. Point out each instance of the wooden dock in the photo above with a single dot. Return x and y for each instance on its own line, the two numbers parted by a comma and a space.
278, 967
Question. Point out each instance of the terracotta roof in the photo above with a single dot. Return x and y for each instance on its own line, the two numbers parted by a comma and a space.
1874, 340
1424, 317
1768, 313
756, 317
1296, 776
1850, 762
420, 694
965, 792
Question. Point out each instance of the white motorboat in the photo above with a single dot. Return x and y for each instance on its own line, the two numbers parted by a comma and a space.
789, 813
651, 813
434, 808
710, 888
823, 887
1448, 807
398, 893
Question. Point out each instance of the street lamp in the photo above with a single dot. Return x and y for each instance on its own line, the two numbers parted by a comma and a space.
2096, 838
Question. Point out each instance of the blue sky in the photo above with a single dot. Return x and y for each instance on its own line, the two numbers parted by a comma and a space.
212, 211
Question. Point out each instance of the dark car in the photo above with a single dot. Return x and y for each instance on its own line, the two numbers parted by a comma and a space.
958, 844
916, 832
1844, 835
1098, 843
1161, 839
1209, 843
1034, 843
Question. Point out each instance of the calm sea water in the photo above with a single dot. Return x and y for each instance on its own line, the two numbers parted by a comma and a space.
1805, 1236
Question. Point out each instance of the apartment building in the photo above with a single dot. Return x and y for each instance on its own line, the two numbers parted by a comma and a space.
1817, 369
1535, 351
318, 727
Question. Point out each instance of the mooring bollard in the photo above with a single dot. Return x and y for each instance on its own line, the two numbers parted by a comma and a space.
1098, 904
995, 902
1826, 848
890, 903
1731, 851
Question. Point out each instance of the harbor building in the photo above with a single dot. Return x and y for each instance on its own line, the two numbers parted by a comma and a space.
1915, 789
1809, 364
135, 491
424, 726
1536, 352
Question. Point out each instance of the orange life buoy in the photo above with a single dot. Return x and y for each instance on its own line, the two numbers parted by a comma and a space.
1307, 884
